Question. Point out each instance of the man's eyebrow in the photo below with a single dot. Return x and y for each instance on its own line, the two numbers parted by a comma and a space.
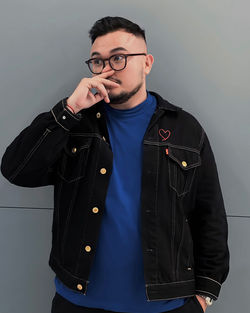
111, 51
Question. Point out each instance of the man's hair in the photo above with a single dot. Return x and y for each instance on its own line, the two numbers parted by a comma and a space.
110, 24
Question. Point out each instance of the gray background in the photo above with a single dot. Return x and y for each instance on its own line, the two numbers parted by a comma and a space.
201, 51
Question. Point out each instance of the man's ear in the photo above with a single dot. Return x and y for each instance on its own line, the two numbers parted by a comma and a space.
148, 64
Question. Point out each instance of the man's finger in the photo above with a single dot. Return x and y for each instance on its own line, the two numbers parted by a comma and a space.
106, 74
108, 82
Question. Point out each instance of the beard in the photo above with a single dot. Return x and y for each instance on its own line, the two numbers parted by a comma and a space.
124, 96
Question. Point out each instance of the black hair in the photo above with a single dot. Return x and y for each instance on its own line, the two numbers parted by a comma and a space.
110, 24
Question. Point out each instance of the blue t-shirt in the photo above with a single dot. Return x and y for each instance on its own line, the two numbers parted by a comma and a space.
116, 280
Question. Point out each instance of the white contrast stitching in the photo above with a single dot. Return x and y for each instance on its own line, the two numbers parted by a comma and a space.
35, 147
205, 291
66, 109
209, 278
175, 282
155, 143
202, 138
171, 298
71, 114
57, 120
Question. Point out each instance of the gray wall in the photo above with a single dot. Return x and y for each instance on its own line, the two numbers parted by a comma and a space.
201, 51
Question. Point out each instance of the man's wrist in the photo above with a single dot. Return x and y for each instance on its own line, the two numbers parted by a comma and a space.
72, 107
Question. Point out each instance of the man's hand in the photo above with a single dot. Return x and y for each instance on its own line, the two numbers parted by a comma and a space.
202, 302
83, 98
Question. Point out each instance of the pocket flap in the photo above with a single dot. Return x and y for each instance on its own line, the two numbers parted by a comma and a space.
76, 144
186, 159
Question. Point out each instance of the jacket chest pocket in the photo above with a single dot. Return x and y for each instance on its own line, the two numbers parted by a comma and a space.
74, 159
182, 166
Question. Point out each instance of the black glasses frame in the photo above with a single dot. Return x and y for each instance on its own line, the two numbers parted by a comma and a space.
108, 59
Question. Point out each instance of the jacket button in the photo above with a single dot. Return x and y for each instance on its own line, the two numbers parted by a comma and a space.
74, 150
104, 138
79, 287
184, 163
95, 210
103, 170
98, 114
63, 117
87, 248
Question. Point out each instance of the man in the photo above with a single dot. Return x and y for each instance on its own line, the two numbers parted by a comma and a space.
139, 223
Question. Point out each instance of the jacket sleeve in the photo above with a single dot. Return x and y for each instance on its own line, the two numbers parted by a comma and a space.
30, 160
210, 228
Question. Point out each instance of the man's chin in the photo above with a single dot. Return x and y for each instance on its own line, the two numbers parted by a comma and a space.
119, 98
123, 96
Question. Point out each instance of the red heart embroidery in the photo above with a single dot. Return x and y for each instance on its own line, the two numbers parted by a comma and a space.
165, 134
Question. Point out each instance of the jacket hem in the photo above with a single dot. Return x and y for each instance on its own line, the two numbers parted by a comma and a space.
167, 291
71, 281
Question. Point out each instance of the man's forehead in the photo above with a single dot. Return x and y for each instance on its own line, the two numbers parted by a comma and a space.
111, 42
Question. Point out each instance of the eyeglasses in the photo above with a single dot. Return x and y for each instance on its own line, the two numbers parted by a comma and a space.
117, 62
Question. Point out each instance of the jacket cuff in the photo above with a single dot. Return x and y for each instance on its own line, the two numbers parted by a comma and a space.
207, 286
63, 116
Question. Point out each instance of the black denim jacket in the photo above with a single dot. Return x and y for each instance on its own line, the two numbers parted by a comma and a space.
184, 224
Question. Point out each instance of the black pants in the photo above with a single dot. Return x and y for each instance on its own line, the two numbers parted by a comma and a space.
61, 305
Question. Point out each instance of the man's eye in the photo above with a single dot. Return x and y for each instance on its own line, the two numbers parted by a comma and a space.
118, 58
97, 61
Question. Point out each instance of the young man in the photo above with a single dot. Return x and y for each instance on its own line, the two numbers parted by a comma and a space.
139, 223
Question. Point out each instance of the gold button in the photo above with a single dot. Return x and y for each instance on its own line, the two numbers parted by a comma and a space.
184, 163
95, 210
104, 138
98, 114
79, 287
87, 248
103, 170
74, 150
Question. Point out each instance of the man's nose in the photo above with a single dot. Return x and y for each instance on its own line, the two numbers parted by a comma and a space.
107, 66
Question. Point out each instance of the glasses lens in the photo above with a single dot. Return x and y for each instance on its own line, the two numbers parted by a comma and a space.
96, 66
118, 62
